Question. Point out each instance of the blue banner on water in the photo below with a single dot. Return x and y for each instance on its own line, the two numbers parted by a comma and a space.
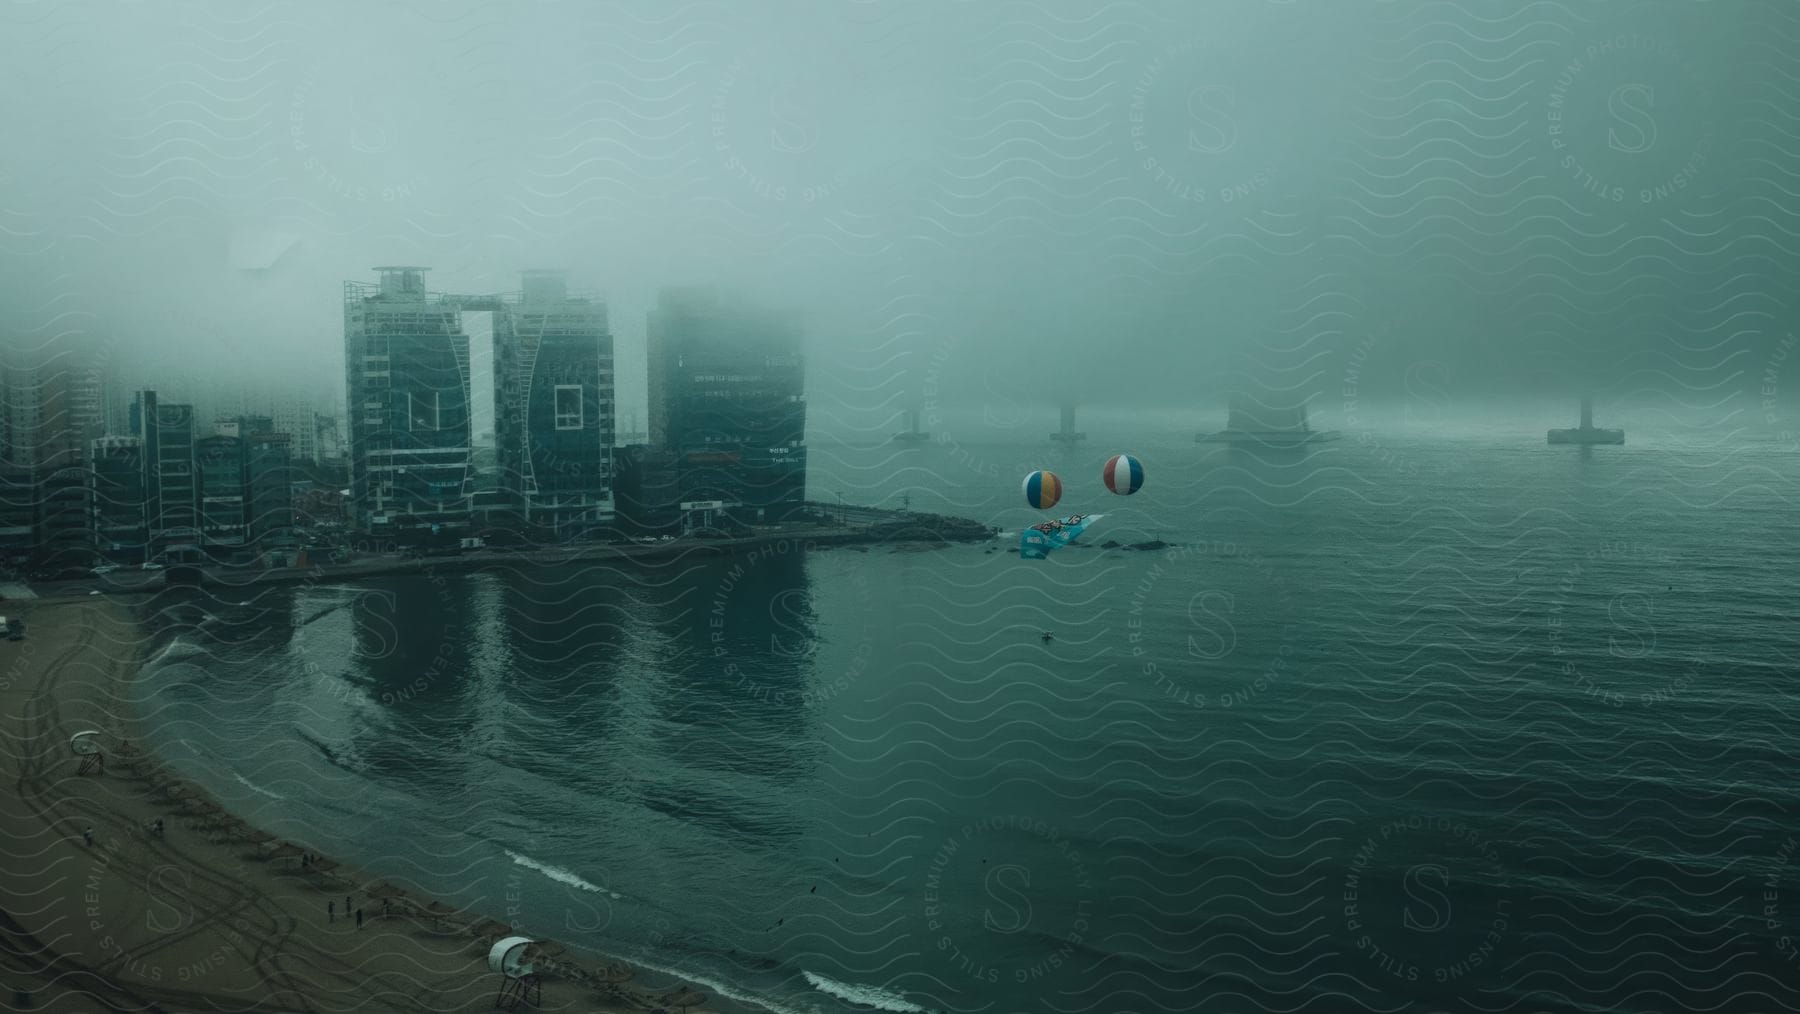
1036, 542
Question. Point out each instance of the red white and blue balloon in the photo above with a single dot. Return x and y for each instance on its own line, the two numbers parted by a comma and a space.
1123, 474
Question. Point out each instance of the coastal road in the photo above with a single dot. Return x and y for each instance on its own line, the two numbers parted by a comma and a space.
859, 530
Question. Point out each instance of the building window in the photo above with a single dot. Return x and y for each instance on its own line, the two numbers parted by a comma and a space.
568, 407
422, 412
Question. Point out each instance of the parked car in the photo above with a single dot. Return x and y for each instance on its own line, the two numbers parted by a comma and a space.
151, 566
105, 568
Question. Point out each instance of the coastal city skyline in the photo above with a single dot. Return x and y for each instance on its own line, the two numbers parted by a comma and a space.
833, 506
150, 481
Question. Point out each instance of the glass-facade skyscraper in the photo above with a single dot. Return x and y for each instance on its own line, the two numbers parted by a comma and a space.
406, 361
728, 399
553, 406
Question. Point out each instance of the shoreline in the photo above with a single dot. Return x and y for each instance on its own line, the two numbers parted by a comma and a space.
917, 530
213, 914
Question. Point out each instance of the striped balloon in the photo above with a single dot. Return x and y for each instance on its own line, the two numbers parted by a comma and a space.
1042, 490
1123, 474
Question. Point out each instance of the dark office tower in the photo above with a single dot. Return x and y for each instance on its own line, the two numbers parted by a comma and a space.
646, 490
269, 490
553, 407
119, 473
727, 396
222, 506
171, 487
406, 361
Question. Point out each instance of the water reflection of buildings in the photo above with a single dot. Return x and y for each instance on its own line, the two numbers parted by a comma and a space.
756, 639
409, 635
248, 626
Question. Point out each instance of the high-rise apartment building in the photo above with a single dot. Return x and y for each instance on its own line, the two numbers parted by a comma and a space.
409, 398
553, 406
727, 397
406, 361
171, 482
50, 412
119, 497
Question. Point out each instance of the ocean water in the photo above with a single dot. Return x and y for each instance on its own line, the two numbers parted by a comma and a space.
1396, 724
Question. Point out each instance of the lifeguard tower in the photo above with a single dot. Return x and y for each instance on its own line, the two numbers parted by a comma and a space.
519, 981
86, 746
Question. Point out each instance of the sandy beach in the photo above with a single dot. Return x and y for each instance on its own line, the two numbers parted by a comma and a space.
211, 915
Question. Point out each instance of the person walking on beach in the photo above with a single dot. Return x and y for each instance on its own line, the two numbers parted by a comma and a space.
159, 827
331, 911
88, 836
359, 918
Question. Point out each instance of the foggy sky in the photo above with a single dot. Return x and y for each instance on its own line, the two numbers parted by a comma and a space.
1135, 203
